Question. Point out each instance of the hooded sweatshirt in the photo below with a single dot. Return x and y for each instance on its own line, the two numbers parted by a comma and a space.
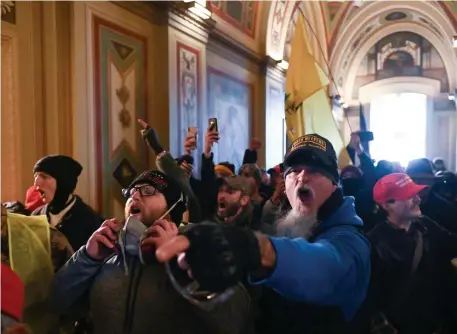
315, 281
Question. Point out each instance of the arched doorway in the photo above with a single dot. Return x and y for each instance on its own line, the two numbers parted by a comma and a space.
399, 121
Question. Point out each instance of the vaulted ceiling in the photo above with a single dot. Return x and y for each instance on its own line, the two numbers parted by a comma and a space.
338, 14
251, 18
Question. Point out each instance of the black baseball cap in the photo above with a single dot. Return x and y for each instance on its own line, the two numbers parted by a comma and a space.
316, 151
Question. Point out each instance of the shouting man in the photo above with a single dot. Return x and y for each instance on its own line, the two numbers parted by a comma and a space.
117, 276
317, 274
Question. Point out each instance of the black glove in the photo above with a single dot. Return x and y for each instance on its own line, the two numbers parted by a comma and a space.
220, 256
187, 158
168, 165
151, 137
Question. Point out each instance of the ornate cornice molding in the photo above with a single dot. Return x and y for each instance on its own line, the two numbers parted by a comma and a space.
155, 14
271, 69
172, 14
219, 37
188, 23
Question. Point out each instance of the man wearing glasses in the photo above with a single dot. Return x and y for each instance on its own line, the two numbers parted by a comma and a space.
116, 277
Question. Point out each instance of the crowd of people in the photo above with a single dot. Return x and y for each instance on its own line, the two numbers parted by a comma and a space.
304, 247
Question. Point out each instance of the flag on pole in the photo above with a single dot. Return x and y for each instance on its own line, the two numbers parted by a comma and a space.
302, 81
364, 129
317, 111
308, 108
318, 118
363, 121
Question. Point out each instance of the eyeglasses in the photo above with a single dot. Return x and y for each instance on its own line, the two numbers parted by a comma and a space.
145, 190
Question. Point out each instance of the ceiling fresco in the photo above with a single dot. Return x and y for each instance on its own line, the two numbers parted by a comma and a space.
337, 14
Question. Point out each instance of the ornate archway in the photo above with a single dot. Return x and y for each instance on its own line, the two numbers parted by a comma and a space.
371, 23
281, 24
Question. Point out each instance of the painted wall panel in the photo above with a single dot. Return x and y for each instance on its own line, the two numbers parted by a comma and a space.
120, 82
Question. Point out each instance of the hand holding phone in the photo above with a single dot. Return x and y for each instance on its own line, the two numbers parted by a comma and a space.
191, 138
212, 125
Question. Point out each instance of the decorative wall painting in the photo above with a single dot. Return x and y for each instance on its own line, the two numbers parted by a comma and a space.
188, 67
230, 101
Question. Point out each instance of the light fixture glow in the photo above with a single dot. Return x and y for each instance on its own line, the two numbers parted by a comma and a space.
199, 8
283, 64
454, 42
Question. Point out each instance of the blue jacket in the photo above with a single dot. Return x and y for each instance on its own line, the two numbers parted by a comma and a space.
334, 270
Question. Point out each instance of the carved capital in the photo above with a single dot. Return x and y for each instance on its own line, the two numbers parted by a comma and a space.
7, 7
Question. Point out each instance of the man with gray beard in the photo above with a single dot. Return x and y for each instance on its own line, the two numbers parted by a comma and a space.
295, 224
316, 275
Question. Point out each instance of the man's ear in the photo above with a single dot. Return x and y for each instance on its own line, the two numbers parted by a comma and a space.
244, 200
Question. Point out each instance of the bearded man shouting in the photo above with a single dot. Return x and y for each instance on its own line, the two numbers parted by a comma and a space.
316, 270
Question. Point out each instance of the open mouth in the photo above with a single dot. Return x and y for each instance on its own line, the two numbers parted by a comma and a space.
134, 210
305, 194
221, 205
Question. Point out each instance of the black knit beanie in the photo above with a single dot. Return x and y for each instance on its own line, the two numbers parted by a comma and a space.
167, 186
65, 170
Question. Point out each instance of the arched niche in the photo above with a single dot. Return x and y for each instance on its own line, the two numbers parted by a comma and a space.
346, 58
446, 55
400, 54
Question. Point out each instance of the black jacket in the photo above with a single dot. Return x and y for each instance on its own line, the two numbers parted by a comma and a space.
415, 303
78, 224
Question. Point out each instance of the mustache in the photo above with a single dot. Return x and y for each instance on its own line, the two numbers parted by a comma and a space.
296, 224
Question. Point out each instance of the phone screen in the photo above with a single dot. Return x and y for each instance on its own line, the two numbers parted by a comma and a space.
212, 125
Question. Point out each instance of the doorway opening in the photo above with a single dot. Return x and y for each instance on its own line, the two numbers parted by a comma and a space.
399, 122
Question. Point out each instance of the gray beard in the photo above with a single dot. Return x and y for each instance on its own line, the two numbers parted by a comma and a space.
296, 224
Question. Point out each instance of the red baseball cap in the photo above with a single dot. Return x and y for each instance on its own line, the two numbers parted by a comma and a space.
276, 169
396, 186
12, 293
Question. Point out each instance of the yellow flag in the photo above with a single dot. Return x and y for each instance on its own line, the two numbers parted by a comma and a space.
302, 81
306, 94
318, 118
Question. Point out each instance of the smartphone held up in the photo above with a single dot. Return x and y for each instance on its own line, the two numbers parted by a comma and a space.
212, 125
192, 132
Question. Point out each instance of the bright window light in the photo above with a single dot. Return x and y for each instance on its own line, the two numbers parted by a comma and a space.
398, 122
